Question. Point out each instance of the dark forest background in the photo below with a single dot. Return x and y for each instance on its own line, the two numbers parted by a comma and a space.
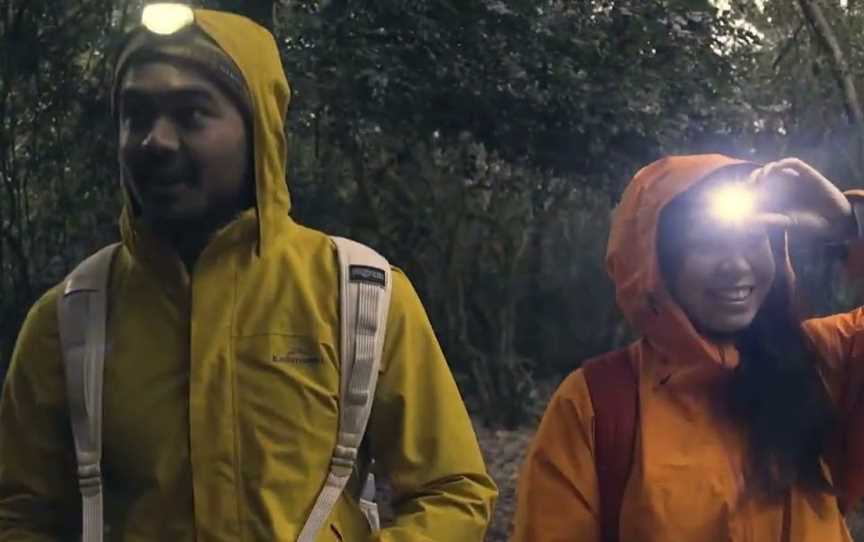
479, 144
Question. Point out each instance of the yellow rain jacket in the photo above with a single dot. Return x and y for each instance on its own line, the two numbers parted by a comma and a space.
686, 482
209, 435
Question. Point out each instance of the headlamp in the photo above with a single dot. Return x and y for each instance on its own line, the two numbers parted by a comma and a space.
732, 203
167, 18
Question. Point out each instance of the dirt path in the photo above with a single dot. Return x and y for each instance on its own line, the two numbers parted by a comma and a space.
504, 451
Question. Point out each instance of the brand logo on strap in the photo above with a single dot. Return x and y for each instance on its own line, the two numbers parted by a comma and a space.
364, 273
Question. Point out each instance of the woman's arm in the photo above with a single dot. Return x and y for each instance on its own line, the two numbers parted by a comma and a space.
558, 498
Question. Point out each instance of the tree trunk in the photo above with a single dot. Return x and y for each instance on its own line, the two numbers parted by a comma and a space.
119, 16
843, 76
826, 38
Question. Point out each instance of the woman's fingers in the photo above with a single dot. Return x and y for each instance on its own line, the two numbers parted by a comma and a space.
796, 197
776, 172
773, 220
799, 167
792, 182
806, 223
767, 175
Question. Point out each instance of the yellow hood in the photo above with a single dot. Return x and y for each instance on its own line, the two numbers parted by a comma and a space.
222, 384
254, 51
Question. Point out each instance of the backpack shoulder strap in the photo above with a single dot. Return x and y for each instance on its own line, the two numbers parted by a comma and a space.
614, 397
82, 318
365, 284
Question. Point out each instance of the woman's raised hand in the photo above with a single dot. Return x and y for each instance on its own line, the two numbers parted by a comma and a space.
793, 195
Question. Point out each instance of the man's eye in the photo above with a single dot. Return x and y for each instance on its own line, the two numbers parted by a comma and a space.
191, 115
136, 117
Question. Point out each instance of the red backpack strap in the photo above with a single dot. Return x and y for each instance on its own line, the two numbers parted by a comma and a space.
614, 396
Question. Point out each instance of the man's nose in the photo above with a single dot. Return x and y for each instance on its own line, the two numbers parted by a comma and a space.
162, 136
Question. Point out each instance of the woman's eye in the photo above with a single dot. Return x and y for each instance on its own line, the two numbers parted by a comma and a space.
710, 244
753, 238
705, 239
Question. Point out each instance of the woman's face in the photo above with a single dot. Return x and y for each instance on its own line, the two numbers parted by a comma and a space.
721, 273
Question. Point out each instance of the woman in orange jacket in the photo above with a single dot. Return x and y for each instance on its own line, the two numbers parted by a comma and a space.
746, 418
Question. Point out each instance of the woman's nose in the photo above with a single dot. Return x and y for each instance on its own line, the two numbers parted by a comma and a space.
734, 264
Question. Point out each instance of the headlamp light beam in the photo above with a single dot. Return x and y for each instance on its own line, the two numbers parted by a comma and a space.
732, 203
167, 18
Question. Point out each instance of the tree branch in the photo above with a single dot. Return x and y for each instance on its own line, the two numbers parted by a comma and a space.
788, 45
828, 41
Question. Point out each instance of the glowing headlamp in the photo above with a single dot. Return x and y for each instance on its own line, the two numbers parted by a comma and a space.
732, 203
167, 18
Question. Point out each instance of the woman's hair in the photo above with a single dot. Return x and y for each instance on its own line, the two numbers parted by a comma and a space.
776, 391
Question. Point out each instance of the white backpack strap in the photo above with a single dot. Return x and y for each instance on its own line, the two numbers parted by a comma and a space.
364, 297
82, 316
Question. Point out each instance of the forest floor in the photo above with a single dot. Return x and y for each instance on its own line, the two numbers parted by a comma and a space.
504, 451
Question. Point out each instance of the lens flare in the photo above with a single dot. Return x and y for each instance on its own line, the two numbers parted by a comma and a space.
732, 203
167, 18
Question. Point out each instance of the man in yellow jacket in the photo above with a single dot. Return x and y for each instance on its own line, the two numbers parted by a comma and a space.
221, 379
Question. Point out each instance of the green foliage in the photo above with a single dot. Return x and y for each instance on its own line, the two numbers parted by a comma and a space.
481, 146
55, 165
564, 86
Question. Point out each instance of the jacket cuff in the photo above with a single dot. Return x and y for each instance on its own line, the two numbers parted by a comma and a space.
856, 199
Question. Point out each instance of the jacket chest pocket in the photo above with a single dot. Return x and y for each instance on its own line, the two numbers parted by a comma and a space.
286, 388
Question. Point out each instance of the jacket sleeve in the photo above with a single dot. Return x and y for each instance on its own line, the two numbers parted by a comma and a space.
421, 436
855, 261
839, 341
557, 496
838, 338
38, 485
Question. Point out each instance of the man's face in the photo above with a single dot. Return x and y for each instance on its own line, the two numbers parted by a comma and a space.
723, 274
184, 146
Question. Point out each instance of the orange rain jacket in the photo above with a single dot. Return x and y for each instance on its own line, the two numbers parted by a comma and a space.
686, 483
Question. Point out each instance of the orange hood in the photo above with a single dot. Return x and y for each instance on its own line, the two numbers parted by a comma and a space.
633, 264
